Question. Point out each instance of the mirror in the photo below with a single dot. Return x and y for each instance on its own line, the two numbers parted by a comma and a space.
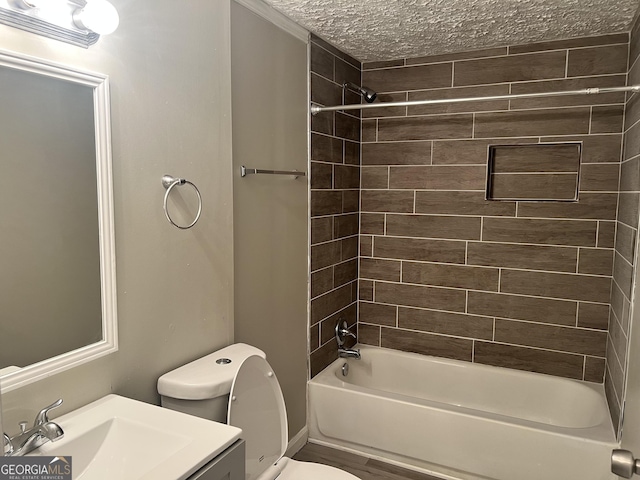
57, 255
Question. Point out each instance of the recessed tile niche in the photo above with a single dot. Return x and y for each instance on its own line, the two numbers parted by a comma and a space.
548, 172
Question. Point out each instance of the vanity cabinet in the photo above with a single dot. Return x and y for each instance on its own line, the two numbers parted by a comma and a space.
229, 465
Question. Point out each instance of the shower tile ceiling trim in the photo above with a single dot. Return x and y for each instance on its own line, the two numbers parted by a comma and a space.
377, 30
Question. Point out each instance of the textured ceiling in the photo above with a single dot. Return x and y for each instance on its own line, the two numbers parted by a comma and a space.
373, 30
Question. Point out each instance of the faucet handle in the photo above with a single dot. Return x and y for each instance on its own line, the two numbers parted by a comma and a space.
43, 415
341, 325
7, 445
342, 331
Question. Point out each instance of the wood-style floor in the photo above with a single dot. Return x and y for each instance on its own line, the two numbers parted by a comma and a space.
362, 467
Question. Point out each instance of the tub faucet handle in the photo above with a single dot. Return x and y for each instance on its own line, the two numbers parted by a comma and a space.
342, 331
7, 445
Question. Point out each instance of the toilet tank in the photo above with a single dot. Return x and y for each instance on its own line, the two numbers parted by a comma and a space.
202, 387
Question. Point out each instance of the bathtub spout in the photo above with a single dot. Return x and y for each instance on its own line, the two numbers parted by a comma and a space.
349, 353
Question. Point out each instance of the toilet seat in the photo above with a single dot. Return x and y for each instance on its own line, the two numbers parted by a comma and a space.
295, 470
256, 405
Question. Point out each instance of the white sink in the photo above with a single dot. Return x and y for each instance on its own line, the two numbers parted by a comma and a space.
119, 438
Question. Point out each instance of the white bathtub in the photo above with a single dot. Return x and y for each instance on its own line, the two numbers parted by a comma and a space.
461, 420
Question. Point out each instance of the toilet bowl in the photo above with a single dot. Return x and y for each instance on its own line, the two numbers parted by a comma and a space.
237, 385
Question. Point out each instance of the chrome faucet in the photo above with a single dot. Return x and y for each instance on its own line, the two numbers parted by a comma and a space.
349, 353
42, 431
342, 331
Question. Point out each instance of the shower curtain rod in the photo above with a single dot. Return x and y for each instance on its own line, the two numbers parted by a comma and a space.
315, 109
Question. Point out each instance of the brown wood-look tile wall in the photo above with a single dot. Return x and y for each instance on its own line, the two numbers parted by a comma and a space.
335, 198
522, 285
624, 263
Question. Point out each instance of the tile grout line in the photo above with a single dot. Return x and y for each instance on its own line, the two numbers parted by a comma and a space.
453, 74
478, 215
470, 267
476, 290
517, 83
473, 125
466, 301
581, 276
485, 113
507, 54
540, 246
557, 137
481, 315
494, 322
466, 252
484, 340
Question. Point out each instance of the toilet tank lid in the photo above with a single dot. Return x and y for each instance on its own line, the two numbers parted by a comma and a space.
207, 377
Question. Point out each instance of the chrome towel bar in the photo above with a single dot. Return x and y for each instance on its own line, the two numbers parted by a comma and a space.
244, 171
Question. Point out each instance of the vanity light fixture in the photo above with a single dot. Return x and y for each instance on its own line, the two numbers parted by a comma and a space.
79, 22
97, 16
26, 4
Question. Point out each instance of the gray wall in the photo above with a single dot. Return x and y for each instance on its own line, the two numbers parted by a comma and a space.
171, 113
269, 76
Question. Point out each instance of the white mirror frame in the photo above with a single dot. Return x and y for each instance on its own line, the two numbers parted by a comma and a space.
102, 122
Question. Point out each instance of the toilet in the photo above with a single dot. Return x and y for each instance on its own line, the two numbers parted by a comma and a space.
236, 385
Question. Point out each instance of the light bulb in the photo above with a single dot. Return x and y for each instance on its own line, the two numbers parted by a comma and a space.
98, 16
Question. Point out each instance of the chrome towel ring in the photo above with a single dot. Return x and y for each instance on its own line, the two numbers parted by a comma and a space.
169, 182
